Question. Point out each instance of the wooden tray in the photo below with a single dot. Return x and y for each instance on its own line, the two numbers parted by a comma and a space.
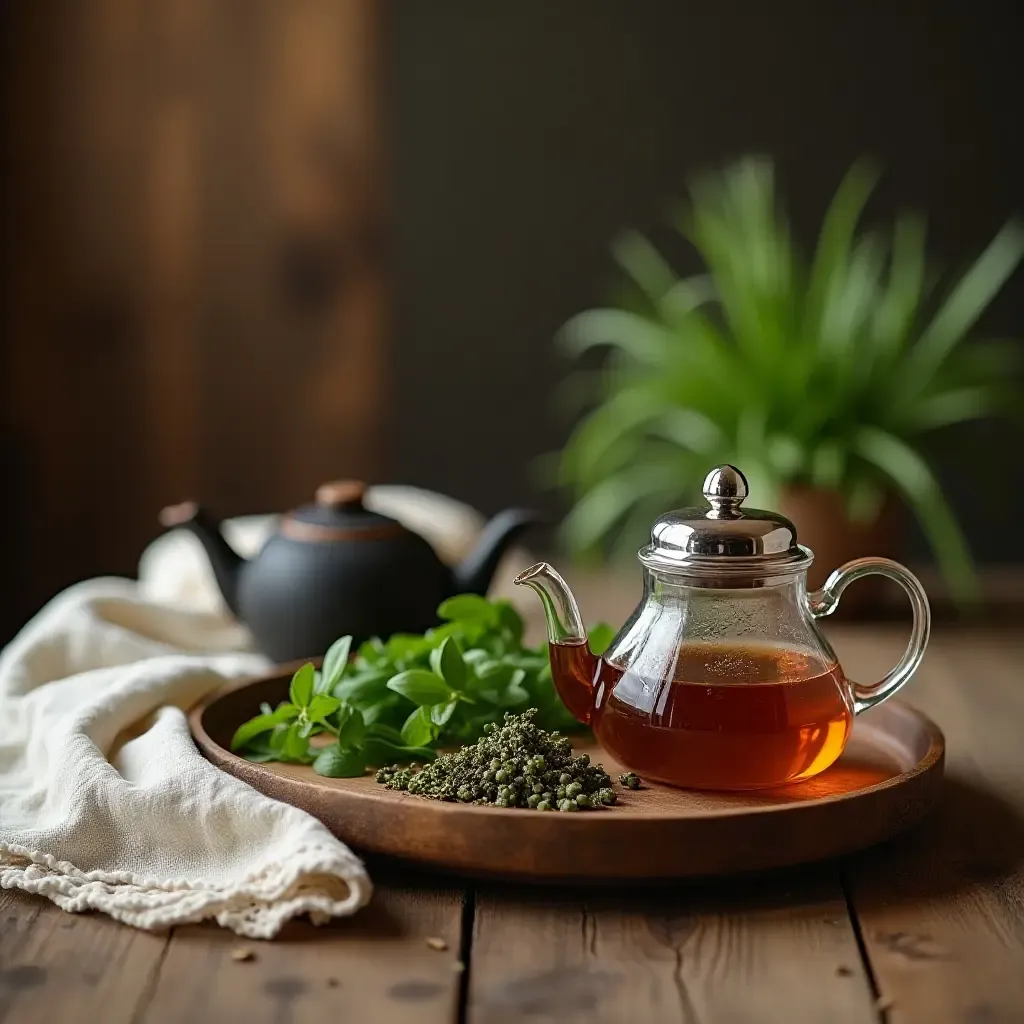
887, 779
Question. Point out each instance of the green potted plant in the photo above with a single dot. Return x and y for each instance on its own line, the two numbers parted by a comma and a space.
818, 377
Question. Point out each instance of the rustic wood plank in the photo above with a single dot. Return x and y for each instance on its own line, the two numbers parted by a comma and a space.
941, 913
376, 966
770, 949
198, 269
296, 305
56, 966
942, 909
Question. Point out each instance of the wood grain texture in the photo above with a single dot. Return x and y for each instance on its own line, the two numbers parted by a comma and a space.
940, 913
57, 967
376, 966
886, 780
767, 951
942, 909
198, 289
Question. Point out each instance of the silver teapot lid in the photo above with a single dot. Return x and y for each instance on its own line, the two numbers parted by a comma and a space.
724, 538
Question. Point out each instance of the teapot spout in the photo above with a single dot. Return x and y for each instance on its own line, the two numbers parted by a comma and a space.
473, 576
573, 665
561, 612
224, 560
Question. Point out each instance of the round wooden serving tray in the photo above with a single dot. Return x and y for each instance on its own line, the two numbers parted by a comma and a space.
887, 779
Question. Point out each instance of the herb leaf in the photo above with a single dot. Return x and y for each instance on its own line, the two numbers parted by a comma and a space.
301, 689
406, 646
380, 751
366, 686
335, 663
248, 731
599, 637
384, 732
514, 693
294, 745
321, 706
466, 608
418, 730
447, 662
421, 687
510, 621
371, 651
440, 714
333, 762
351, 727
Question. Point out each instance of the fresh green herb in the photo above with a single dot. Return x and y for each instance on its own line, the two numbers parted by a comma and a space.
338, 763
516, 764
398, 700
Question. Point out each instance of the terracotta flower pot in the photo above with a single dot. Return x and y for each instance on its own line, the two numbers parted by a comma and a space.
823, 526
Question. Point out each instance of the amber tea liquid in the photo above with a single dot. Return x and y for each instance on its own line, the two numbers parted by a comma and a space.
731, 716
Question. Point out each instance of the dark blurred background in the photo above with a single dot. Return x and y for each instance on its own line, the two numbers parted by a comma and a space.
252, 246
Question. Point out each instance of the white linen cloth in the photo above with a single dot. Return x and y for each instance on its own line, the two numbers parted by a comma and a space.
105, 802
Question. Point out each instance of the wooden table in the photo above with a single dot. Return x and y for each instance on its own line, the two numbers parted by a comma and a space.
929, 928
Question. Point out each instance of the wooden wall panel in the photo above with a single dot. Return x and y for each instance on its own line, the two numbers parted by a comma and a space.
195, 268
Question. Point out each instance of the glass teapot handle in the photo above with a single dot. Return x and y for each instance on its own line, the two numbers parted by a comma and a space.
824, 602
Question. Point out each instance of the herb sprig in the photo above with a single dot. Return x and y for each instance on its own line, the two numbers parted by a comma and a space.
398, 701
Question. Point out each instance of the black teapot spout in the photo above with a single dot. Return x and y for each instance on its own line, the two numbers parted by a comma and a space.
474, 574
224, 560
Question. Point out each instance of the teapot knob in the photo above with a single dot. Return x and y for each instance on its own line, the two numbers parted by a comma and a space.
725, 487
339, 493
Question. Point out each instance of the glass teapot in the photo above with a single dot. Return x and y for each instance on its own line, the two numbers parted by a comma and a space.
721, 679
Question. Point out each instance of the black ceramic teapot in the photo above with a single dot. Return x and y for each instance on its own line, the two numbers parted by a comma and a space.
335, 567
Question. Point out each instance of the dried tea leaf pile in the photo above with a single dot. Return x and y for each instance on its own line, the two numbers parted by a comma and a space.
516, 764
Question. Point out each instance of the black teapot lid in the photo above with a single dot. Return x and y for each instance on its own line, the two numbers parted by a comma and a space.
339, 514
